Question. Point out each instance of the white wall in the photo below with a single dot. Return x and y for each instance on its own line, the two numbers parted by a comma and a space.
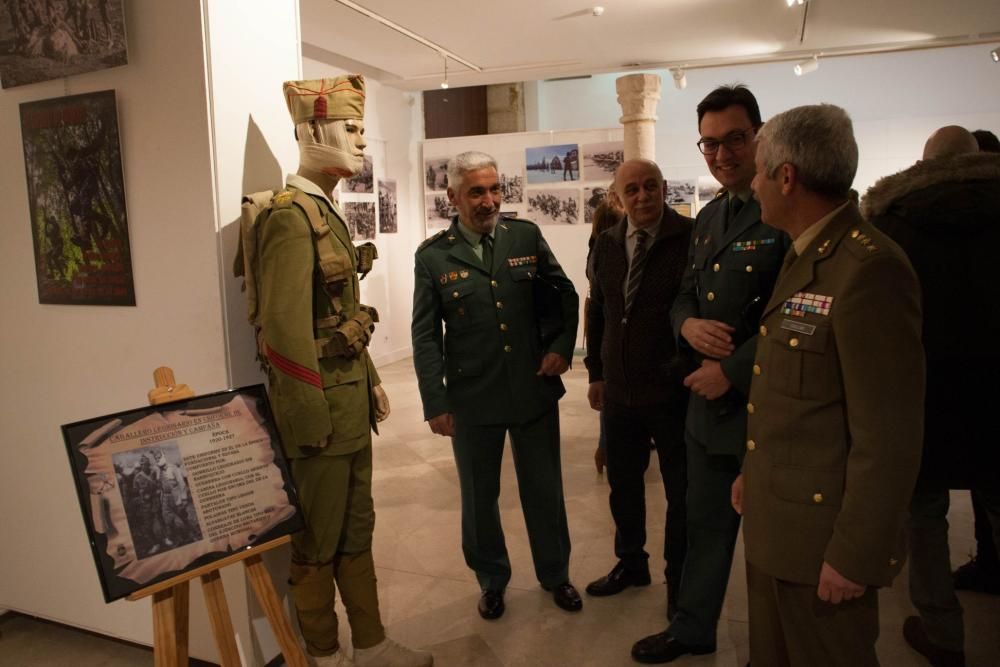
896, 101
65, 363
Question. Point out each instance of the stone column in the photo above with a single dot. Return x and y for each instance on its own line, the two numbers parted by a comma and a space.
638, 95
505, 108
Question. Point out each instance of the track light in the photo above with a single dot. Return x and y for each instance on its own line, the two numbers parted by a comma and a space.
995, 54
792, 3
444, 84
680, 79
806, 66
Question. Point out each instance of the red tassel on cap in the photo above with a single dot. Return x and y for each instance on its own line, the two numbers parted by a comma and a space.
319, 107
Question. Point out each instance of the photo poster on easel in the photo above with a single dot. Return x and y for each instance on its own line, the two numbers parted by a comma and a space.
169, 488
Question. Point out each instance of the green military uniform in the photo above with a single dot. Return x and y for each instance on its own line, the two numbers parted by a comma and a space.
481, 366
834, 440
325, 412
733, 262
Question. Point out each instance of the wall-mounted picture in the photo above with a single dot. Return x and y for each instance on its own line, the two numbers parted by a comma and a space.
76, 195
363, 181
601, 160
708, 188
170, 488
360, 219
387, 207
681, 196
439, 211
436, 173
554, 207
592, 198
511, 188
42, 40
552, 164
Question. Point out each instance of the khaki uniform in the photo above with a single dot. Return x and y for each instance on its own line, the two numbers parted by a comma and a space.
834, 435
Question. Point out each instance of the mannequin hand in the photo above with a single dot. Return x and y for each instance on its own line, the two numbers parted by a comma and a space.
381, 403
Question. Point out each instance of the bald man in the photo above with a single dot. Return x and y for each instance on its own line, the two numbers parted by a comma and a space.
944, 212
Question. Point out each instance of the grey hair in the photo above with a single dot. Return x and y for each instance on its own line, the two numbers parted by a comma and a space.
463, 163
818, 140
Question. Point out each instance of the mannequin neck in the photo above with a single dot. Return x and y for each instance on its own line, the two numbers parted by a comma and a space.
326, 182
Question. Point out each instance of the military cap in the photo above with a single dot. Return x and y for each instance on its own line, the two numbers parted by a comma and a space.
340, 98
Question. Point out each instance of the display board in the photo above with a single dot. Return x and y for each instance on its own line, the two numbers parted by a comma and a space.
169, 488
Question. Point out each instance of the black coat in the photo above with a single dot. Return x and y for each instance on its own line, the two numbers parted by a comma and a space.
945, 214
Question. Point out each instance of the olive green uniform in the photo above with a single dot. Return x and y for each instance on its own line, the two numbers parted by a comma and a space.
834, 440
324, 408
477, 346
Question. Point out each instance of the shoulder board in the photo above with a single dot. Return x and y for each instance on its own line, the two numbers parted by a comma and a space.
282, 199
860, 243
432, 239
721, 193
522, 221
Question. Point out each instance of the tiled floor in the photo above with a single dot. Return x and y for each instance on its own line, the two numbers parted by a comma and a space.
429, 597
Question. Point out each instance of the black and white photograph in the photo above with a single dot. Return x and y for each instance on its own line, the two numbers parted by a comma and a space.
601, 160
387, 207
554, 207
41, 40
436, 174
76, 196
361, 219
439, 211
363, 181
511, 188
681, 196
708, 188
552, 164
592, 198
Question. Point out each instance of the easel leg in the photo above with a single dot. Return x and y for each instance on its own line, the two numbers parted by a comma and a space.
222, 624
170, 626
269, 601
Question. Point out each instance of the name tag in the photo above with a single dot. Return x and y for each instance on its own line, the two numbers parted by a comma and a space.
798, 327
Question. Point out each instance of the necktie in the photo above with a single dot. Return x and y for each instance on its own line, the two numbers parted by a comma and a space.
635, 270
487, 243
735, 204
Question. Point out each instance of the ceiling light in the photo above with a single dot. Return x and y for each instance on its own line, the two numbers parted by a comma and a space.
806, 66
792, 3
680, 79
444, 84
597, 11
995, 54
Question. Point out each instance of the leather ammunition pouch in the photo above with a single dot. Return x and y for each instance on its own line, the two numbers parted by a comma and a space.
367, 254
351, 336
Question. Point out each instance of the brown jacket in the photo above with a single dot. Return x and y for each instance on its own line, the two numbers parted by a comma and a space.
836, 410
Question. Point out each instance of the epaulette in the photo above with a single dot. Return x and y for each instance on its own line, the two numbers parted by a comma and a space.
431, 240
282, 199
860, 243
721, 193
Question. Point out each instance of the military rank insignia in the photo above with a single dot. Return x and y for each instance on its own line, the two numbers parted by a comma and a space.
522, 261
803, 303
753, 244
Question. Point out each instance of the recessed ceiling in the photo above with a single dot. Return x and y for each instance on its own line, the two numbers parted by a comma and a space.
524, 40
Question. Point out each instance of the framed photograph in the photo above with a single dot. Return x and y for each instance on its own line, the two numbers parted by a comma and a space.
51, 39
601, 160
76, 195
554, 207
439, 211
360, 217
363, 181
681, 196
511, 188
169, 488
552, 164
387, 207
436, 174
592, 198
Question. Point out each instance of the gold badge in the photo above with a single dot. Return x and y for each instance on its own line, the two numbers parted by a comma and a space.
443, 279
463, 273
453, 276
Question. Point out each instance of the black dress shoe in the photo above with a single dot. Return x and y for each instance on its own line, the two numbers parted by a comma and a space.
617, 580
565, 596
916, 637
491, 604
664, 648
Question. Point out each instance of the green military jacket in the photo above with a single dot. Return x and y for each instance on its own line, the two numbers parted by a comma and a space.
729, 278
836, 412
476, 340
321, 405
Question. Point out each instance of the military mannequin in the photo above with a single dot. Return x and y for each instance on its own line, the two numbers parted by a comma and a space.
324, 389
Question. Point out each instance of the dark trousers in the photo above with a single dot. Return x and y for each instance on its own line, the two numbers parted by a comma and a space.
478, 454
629, 432
986, 548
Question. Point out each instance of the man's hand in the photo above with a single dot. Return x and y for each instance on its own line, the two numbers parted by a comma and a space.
708, 381
600, 460
553, 363
595, 394
443, 424
381, 403
710, 338
736, 494
835, 587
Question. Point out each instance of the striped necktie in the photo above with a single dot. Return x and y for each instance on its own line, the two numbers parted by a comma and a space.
635, 269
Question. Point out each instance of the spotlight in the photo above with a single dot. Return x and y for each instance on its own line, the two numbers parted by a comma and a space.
444, 84
995, 54
680, 79
597, 11
807, 66
792, 3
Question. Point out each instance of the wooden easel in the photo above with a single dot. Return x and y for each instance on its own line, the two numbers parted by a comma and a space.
170, 597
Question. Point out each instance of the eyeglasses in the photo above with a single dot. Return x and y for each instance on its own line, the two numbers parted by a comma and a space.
733, 141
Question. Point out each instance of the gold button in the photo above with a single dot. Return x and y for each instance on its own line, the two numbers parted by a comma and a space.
750, 408
710, 296
751, 445
818, 498
763, 330
493, 283
756, 369
455, 295
716, 267
503, 326
507, 348
499, 304
749, 269
893, 561
794, 342
855, 234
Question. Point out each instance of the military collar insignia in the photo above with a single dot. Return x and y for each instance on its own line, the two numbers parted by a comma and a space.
505, 227
823, 248
522, 261
803, 303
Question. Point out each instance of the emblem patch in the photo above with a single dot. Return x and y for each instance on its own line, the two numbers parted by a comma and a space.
803, 303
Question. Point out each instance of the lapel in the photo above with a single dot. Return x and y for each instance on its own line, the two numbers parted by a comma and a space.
503, 239
462, 251
716, 226
802, 271
746, 218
